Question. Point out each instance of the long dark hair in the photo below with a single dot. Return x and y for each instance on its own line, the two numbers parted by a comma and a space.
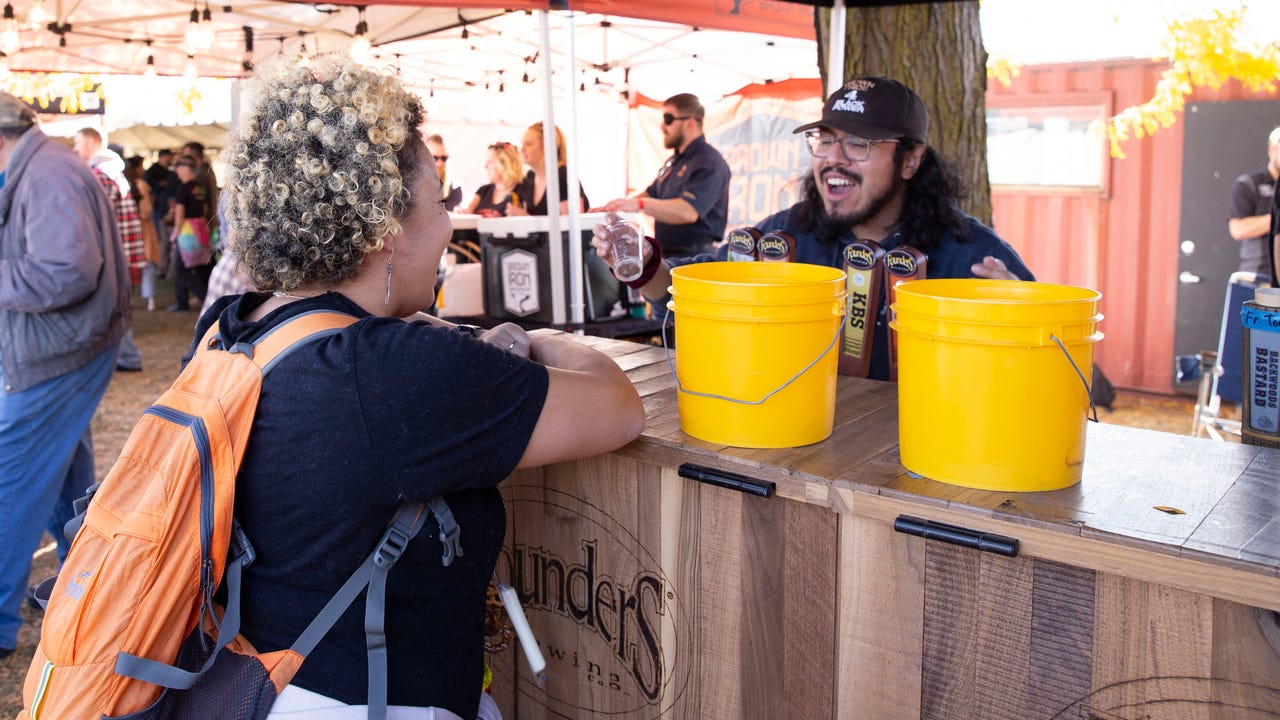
928, 210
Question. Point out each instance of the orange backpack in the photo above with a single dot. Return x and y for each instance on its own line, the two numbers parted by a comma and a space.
132, 612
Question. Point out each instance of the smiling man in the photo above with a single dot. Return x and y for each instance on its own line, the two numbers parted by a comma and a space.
876, 181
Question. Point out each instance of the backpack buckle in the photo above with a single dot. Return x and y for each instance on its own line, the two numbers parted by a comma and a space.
450, 539
241, 548
390, 547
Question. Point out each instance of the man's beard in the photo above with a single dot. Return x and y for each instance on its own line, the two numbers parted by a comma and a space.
673, 141
833, 225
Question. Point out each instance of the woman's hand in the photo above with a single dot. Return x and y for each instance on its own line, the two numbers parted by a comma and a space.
509, 337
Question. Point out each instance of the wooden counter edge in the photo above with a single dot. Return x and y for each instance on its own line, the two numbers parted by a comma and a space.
1249, 585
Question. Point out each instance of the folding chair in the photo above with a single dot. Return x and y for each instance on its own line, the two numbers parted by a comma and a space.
1221, 376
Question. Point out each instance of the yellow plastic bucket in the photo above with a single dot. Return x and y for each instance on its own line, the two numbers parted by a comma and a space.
986, 398
755, 351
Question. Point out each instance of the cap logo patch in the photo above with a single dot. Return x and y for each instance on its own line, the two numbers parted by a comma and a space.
850, 103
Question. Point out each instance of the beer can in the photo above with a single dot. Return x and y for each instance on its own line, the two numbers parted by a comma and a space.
1260, 405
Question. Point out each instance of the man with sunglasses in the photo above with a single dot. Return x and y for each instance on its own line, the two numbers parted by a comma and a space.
452, 193
689, 199
874, 179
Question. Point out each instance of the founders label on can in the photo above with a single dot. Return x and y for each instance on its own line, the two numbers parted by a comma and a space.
1261, 326
777, 246
864, 273
902, 263
742, 244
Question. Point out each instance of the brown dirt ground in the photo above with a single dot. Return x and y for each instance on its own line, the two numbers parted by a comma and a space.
163, 337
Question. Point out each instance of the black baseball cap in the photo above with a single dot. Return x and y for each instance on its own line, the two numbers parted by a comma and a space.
875, 108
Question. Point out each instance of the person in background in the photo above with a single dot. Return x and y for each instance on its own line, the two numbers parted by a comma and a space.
192, 253
64, 305
533, 191
157, 178
502, 163
349, 426
689, 199
1274, 246
452, 194
1250, 216
108, 167
873, 178
227, 277
141, 190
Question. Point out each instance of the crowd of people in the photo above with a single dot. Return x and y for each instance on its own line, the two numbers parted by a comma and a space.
357, 216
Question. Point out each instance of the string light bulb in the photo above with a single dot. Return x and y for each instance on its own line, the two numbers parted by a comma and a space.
189, 70
199, 34
151, 62
361, 48
10, 39
37, 16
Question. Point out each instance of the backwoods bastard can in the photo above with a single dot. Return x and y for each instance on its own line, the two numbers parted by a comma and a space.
1260, 409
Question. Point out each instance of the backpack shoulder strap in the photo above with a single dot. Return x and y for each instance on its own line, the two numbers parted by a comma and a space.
280, 340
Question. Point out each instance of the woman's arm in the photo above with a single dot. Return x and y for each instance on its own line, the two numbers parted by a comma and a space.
591, 406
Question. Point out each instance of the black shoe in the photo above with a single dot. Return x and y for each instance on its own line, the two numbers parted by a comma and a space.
175, 308
126, 368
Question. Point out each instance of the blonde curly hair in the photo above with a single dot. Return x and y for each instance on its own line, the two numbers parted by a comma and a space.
320, 169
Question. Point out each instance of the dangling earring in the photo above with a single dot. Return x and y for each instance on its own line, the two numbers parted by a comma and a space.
387, 300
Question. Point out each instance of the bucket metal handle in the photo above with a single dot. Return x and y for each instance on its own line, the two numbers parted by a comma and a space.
1087, 392
836, 338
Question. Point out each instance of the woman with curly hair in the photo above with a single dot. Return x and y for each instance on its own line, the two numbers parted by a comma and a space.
334, 204
506, 172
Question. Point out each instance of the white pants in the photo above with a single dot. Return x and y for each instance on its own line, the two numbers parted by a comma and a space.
295, 703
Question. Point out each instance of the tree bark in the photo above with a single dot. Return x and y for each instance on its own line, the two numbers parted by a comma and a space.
935, 49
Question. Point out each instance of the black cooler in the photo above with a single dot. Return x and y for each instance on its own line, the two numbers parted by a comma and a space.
526, 277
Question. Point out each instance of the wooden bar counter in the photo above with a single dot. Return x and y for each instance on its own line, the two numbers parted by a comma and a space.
1149, 590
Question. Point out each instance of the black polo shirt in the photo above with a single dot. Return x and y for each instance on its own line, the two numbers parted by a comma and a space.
699, 176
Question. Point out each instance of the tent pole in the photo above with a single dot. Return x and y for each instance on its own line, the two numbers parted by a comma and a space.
551, 166
835, 47
576, 261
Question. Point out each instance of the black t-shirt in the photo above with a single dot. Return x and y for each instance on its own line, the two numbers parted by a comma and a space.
347, 428
485, 193
191, 196
525, 191
1251, 195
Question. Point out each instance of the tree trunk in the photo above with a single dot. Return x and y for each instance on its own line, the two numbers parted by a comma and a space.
935, 49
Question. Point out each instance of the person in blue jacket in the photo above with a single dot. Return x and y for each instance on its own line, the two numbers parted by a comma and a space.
876, 179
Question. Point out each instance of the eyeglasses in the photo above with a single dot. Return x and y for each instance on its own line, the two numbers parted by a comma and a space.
855, 148
668, 118
501, 146
440, 158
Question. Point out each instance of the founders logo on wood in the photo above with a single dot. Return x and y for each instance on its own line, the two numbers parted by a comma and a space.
608, 621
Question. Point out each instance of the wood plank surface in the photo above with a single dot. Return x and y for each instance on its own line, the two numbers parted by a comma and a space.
1002, 661
806, 608
948, 689
1245, 523
1061, 637
1246, 662
1152, 651
682, 559
881, 621
720, 619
